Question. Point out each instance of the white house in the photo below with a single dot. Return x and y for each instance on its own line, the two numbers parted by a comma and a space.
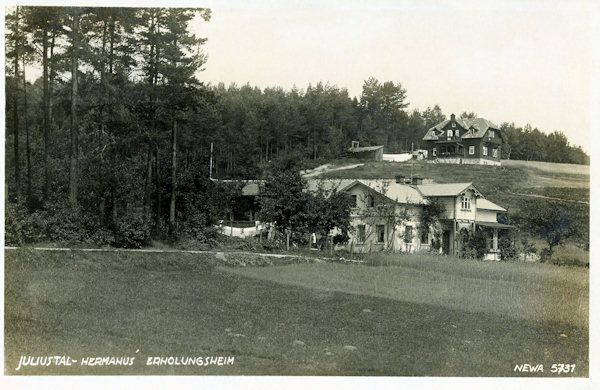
386, 214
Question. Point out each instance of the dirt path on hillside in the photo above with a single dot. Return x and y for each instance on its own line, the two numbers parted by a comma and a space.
327, 168
550, 197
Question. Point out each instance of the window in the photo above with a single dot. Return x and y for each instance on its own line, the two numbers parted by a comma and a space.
361, 234
471, 150
491, 133
449, 133
466, 202
353, 201
424, 237
434, 152
485, 150
371, 201
380, 229
495, 152
453, 124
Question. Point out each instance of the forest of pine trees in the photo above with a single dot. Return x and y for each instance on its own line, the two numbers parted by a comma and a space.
111, 143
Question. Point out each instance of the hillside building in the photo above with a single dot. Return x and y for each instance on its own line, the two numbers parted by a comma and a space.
464, 141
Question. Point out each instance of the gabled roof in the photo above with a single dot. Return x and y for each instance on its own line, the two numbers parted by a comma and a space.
485, 204
447, 189
401, 193
479, 125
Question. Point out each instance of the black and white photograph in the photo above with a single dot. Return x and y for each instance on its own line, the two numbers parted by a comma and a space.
384, 189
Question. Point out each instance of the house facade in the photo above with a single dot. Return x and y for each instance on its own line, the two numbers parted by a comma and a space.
386, 215
464, 141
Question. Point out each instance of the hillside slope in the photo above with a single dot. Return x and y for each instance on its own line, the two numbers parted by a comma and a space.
512, 177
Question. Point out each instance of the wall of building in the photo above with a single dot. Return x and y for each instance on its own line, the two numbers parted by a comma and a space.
469, 213
486, 215
393, 236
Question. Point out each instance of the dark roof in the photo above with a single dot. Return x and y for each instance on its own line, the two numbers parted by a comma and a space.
495, 225
479, 125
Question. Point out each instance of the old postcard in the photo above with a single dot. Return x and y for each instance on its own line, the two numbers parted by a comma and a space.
383, 189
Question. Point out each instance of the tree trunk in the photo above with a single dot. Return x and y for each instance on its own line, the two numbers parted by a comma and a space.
157, 178
148, 182
27, 149
16, 128
173, 174
52, 76
74, 150
45, 109
16, 111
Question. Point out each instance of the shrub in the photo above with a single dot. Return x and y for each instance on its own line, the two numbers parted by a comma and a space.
17, 226
436, 241
341, 238
508, 250
132, 230
473, 244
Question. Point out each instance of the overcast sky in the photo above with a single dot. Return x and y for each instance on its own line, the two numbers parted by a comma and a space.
522, 62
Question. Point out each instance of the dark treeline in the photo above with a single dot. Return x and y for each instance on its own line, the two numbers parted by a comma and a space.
533, 145
112, 143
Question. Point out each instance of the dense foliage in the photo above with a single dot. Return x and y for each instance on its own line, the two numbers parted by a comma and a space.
111, 144
555, 222
286, 203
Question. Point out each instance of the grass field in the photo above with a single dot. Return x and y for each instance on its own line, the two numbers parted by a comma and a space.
511, 175
405, 316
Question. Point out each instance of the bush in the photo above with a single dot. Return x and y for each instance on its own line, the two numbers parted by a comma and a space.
436, 241
340, 238
508, 251
58, 221
132, 230
18, 225
473, 244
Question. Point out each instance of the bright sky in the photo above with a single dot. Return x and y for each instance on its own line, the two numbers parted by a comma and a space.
522, 62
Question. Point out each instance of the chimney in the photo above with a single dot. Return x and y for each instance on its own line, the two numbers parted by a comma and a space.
400, 179
452, 117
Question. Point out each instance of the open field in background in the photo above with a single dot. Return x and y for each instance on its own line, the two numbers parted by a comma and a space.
549, 167
510, 175
303, 319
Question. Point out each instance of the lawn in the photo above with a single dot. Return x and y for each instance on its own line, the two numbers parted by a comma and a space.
299, 319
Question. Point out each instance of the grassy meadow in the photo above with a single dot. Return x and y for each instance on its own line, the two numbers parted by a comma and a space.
402, 316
